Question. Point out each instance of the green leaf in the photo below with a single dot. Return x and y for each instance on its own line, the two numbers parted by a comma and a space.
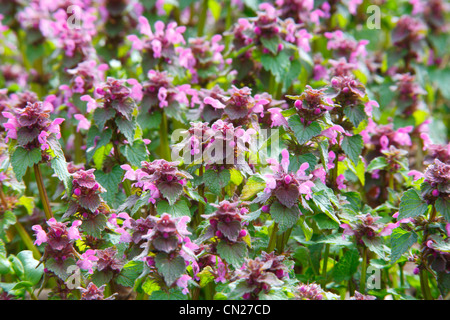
401, 241
322, 200
179, 209
170, 269
173, 294
233, 253
347, 266
28, 203
33, 272
100, 278
135, 153
101, 115
150, 285
110, 181
296, 161
96, 139
59, 268
127, 128
324, 222
271, 43
442, 206
411, 205
8, 219
254, 185
170, 190
277, 65
378, 163
284, 216
355, 114
323, 148
215, 181
5, 264
352, 147
303, 133
95, 225
22, 158
130, 272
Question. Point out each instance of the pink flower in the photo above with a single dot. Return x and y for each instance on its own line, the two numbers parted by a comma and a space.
277, 118
182, 283
41, 236
340, 182
73, 233
415, 174
83, 122
87, 261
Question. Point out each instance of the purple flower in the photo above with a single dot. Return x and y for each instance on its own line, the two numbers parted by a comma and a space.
311, 291
286, 186
366, 226
438, 176
88, 261
182, 283
41, 235
159, 43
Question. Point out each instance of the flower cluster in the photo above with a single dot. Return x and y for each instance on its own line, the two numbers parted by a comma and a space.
86, 197
226, 222
284, 185
311, 291
160, 43
259, 277
114, 97
59, 239
31, 126
312, 104
365, 227
162, 179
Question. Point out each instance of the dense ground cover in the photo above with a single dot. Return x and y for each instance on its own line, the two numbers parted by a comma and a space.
292, 149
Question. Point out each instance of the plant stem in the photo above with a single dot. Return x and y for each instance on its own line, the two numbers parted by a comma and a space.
210, 290
78, 143
391, 181
273, 238
201, 206
27, 240
42, 192
424, 285
202, 19
164, 146
362, 284
325, 263
228, 25
3, 198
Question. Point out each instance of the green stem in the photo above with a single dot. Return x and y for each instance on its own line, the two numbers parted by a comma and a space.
391, 181
2, 197
42, 192
272, 85
27, 240
78, 142
201, 206
228, 25
234, 54
362, 284
325, 263
202, 19
282, 240
402, 280
273, 238
210, 290
164, 136
424, 285
127, 187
